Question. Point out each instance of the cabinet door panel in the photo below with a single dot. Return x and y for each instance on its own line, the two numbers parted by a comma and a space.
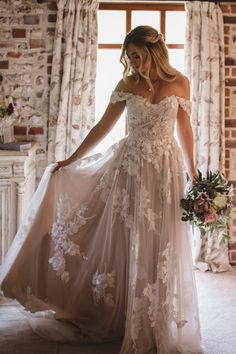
7, 215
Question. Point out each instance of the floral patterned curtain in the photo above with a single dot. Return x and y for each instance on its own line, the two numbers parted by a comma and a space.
204, 59
72, 91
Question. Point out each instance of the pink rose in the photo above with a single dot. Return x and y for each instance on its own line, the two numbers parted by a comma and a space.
200, 205
210, 217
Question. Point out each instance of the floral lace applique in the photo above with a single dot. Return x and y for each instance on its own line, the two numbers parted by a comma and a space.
118, 96
103, 187
101, 183
100, 284
69, 219
185, 105
104, 184
151, 292
149, 214
164, 309
121, 206
136, 319
131, 159
156, 315
167, 178
163, 267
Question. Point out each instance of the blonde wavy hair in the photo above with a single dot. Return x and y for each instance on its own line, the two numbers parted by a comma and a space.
148, 38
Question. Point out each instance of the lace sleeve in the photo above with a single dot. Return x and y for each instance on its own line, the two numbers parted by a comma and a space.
118, 96
185, 104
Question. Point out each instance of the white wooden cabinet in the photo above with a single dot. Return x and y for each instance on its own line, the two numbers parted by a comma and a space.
17, 185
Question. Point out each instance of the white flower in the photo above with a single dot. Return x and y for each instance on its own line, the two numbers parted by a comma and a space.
57, 262
8, 100
220, 200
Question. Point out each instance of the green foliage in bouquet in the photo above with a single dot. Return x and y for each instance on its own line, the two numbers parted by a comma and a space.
208, 203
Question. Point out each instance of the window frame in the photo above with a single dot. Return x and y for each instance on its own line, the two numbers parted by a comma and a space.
135, 6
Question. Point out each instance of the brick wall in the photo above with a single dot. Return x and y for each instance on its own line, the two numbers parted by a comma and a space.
229, 11
26, 39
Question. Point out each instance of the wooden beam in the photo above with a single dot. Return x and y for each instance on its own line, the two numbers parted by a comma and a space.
175, 46
119, 46
109, 46
141, 6
128, 21
163, 22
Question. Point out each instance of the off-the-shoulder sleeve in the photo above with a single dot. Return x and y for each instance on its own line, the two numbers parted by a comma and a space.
185, 104
118, 96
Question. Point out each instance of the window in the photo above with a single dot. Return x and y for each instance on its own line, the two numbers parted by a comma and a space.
114, 21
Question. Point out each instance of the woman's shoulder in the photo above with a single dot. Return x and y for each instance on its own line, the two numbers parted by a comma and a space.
181, 79
182, 85
126, 84
123, 90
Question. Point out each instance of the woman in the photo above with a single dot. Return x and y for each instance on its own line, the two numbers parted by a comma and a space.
105, 248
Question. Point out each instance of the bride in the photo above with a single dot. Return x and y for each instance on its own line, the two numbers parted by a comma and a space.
102, 251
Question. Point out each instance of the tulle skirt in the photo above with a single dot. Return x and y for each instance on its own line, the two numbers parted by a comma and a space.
103, 254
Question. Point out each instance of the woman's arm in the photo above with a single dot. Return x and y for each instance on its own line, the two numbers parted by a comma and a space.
97, 133
185, 133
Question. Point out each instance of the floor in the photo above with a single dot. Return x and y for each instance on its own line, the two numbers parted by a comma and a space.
217, 307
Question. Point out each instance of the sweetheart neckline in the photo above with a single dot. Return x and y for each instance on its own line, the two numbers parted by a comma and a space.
146, 99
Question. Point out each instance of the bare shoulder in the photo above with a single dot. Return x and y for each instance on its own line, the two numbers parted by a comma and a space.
126, 84
182, 83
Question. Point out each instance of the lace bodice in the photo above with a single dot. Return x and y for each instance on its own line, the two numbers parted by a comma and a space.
151, 127
150, 118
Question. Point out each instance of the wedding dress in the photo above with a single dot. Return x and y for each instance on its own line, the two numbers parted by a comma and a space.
102, 246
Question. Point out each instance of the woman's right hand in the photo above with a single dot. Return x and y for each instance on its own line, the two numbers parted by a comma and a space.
61, 164
191, 177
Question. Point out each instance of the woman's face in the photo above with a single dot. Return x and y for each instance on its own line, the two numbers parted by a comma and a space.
137, 57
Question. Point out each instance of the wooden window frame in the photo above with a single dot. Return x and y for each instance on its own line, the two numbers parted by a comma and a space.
135, 6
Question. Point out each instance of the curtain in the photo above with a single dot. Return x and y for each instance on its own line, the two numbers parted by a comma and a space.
72, 90
204, 65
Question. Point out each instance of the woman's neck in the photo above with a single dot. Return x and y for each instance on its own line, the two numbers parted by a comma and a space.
155, 79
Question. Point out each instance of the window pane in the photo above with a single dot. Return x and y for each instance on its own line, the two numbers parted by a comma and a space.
111, 26
175, 26
150, 18
109, 72
177, 58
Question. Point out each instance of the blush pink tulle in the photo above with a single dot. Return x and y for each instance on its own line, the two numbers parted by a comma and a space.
102, 252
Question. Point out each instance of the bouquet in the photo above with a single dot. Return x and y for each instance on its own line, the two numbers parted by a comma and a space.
208, 203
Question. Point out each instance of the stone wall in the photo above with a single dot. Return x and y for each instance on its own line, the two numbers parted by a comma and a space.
26, 40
